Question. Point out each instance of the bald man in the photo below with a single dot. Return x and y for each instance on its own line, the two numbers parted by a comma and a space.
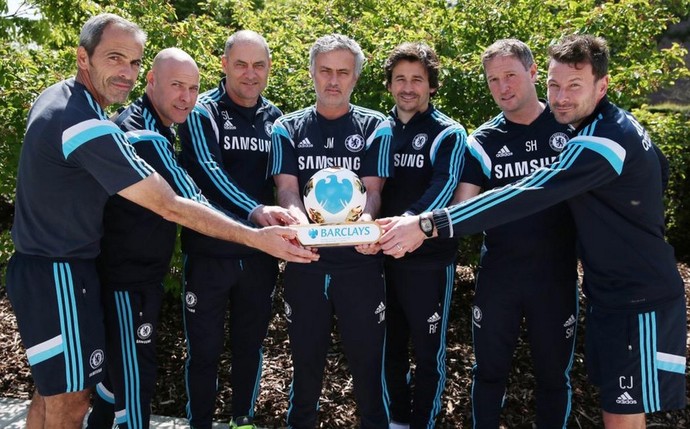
137, 245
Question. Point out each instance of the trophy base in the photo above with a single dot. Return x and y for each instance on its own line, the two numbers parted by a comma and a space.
337, 234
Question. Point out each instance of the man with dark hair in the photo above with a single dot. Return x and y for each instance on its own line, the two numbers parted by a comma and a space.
225, 147
345, 284
428, 149
520, 281
72, 160
611, 176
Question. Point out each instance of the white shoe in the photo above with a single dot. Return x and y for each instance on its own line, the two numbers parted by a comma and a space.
396, 425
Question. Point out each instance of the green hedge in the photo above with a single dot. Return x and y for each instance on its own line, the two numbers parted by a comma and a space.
671, 132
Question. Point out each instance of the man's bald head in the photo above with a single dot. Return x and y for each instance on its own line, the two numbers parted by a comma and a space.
172, 85
173, 57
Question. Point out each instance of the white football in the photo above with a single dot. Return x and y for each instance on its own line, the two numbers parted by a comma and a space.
334, 195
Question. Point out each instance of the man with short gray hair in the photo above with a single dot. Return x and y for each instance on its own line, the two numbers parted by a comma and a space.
348, 283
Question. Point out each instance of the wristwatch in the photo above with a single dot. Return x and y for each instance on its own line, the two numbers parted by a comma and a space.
426, 224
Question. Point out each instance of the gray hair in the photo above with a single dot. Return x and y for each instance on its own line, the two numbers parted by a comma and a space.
246, 36
509, 48
92, 31
335, 42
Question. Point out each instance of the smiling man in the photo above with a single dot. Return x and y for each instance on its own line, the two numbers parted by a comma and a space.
518, 282
137, 245
428, 158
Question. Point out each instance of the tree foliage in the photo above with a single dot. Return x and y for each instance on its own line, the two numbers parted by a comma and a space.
460, 32
37, 52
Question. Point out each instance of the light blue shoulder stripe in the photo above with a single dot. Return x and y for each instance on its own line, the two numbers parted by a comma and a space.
478, 152
383, 132
201, 110
137, 136
455, 166
385, 128
364, 111
85, 131
277, 135
280, 130
383, 166
302, 113
445, 119
211, 96
458, 130
613, 152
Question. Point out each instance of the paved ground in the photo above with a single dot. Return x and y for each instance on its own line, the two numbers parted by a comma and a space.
13, 413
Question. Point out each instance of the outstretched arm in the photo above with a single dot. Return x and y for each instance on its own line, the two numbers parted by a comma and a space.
155, 194
584, 164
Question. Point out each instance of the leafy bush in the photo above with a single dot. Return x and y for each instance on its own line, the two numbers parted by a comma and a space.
671, 132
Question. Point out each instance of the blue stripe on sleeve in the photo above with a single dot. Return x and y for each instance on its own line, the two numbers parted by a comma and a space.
85, 131
182, 182
477, 151
455, 167
214, 171
609, 149
279, 133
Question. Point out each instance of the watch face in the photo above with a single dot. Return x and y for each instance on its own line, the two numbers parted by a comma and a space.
426, 225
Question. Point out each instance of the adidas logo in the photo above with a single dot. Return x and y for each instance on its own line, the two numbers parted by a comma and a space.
571, 321
381, 308
434, 318
304, 144
504, 152
229, 126
625, 399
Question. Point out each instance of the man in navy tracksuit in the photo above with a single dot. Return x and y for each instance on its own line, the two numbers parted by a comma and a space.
529, 264
345, 283
428, 149
137, 246
225, 147
611, 177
